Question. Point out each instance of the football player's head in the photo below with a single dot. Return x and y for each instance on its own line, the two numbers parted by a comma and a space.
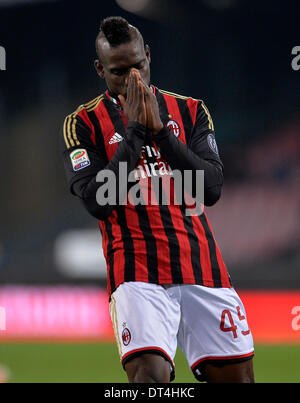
120, 47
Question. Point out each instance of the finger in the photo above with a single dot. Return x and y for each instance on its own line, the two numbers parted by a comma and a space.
136, 88
135, 72
122, 101
146, 89
136, 75
143, 89
140, 77
130, 89
142, 102
141, 93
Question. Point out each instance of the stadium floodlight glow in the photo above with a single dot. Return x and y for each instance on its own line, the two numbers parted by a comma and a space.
133, 6
154, 9
78, 253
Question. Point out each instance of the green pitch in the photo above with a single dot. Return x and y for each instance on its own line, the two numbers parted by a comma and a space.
99, 362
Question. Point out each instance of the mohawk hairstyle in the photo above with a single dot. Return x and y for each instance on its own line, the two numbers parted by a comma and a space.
116, 30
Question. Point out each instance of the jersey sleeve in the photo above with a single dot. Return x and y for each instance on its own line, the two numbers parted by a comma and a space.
203, 139
81, 157
201, 153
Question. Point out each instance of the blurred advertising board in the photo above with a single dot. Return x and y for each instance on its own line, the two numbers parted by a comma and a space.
74, 313
56, 312
273, 316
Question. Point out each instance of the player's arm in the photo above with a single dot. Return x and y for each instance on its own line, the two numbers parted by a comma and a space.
82, 180
200, 154
82, 173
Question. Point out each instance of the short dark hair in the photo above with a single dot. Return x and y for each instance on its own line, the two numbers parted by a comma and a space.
116, 30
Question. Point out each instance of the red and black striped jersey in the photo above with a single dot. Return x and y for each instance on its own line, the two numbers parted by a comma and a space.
153, 241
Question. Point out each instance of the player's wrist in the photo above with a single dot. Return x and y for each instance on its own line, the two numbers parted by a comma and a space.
136, 129
164, 132
158, 129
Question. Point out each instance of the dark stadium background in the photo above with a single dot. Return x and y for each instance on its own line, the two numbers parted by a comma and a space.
236, 55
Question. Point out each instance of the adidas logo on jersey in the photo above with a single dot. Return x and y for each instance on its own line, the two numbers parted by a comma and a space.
115, 138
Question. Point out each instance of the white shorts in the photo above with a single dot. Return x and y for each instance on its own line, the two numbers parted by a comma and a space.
207, 323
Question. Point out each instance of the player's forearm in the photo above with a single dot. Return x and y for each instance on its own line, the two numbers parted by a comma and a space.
128, 152
182, 158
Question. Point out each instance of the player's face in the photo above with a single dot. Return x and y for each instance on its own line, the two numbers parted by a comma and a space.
116, 64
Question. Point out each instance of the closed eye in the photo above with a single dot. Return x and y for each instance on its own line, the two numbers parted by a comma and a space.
139, 65
121, 72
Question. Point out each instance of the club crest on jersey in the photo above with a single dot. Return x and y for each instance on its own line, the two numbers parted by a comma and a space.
126, 336
79, 159
212, 143
174, 127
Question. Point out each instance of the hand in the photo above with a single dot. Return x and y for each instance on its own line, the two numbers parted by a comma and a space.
154, 123
134, 106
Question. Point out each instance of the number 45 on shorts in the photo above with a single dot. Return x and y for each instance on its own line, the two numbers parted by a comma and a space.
227, 317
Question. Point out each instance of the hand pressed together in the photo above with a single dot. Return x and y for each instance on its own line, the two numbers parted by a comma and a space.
134, 106
141, 104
